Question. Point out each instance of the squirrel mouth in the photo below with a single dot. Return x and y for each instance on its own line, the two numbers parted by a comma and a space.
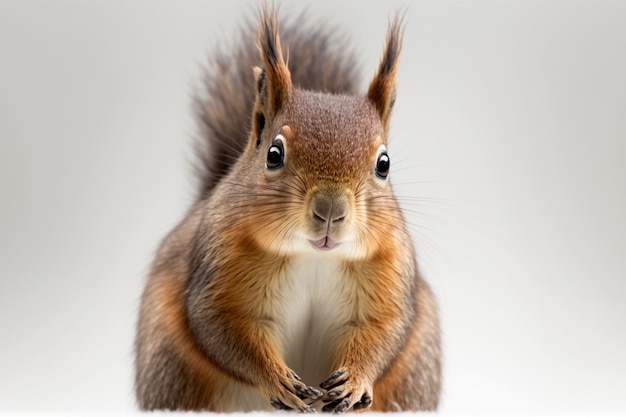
324, 243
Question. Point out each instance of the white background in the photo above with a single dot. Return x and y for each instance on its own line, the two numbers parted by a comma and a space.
508, 151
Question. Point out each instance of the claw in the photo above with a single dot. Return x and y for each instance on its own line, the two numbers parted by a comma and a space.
365, 402
334, 393
343, 406
330, 380
331, 406
279, 405
308, 392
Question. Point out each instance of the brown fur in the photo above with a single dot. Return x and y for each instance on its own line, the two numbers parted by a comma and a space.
319, 59
212, 320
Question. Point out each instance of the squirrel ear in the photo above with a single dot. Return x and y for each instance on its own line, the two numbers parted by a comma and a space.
274, 81
382, 90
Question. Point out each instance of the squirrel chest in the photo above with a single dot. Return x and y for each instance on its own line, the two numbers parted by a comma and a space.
314, 302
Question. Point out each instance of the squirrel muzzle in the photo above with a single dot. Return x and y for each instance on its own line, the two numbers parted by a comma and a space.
329, 210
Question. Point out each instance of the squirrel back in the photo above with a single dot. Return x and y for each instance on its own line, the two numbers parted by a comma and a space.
319, 59
294, 266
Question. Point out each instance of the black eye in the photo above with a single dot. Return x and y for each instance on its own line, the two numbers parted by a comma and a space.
382, 165
275, 155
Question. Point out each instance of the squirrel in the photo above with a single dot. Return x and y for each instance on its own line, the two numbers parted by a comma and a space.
292, 281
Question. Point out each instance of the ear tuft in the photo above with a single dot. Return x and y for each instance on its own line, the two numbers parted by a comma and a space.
275, 80
382, 89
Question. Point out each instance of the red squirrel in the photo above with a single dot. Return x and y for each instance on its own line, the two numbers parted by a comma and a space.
292, 281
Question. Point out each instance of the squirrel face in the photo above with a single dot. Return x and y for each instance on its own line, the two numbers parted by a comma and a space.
320, 160
325, 165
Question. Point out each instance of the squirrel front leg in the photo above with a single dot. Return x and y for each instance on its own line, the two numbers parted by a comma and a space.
361, 359
369, 342
244, 345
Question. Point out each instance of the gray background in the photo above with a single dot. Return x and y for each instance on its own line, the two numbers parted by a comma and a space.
508, 151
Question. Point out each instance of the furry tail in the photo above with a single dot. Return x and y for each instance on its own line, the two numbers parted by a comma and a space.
318, 58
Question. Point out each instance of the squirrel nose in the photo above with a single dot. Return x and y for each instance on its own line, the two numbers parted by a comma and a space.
329, 210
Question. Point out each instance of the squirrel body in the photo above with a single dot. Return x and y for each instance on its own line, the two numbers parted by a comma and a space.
294, 267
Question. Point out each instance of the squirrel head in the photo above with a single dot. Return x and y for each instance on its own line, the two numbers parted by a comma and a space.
321, 158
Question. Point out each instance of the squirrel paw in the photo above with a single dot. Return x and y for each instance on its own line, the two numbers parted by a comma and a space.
291, 394
345, 392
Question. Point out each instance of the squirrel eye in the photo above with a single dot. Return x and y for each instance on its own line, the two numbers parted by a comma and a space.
275, 154
382, 165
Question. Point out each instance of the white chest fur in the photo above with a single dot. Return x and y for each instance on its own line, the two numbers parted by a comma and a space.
315, 304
